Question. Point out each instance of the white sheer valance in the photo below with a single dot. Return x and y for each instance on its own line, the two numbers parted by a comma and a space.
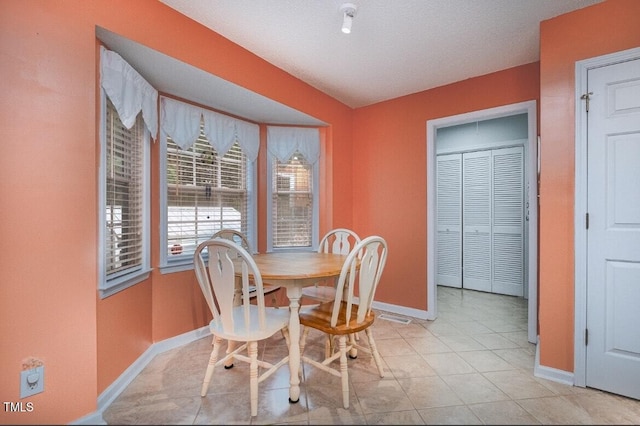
129, 91
283, 142
181, 122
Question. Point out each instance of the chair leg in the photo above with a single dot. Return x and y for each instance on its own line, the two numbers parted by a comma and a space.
344, 372
353, 353
285, 335
231, 345
302, 344
374, 351
303, 339
253, 377
328, 346
217, 341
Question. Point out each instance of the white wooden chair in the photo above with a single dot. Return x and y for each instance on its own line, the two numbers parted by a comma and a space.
246, 323
235, 236
339, 240
241, 239
342, 318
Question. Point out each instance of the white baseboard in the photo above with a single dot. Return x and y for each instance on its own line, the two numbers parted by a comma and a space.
549, 373
402, 310
120, 384
90, 419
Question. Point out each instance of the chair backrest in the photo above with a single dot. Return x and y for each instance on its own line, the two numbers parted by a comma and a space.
216, 262
339, 241
235, 236
360, 274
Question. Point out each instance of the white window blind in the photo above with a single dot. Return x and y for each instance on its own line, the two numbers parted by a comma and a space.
124, 195
128, 119
292, 202
205, 192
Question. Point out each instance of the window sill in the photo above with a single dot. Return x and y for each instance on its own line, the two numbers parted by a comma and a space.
290, 249
122, 284
178, 267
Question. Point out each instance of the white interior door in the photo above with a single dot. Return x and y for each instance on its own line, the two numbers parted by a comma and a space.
613, 236
476, 219
449, 220
507, 231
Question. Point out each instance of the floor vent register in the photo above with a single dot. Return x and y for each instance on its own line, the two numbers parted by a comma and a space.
394, 318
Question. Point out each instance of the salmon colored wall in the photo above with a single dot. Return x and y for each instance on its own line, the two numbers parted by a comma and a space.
48, 204
48, 175
593, 31
48, 172
117, 349
390, 170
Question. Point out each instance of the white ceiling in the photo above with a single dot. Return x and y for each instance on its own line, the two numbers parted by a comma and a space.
173, 77
396, 47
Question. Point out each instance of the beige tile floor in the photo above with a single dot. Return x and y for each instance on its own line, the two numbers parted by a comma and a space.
472, 365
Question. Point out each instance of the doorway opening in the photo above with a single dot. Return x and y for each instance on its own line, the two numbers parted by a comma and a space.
530, 171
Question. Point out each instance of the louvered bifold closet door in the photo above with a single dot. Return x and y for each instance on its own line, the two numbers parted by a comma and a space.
476, 218
508, 221
449, 220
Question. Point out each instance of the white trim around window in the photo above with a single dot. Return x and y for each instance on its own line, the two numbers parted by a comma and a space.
111, 280
192, 212
293, 151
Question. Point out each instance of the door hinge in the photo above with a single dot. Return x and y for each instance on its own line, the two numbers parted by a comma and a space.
586, 220
586, 98
586, 336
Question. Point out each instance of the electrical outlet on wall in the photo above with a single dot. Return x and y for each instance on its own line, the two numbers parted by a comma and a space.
31, 377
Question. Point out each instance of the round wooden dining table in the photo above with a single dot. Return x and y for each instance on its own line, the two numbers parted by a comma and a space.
293, 271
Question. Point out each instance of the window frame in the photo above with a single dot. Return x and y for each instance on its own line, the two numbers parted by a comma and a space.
169, 265
315, 182
108, 286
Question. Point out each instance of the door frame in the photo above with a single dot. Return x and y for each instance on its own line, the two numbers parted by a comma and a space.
531, 173
581, 190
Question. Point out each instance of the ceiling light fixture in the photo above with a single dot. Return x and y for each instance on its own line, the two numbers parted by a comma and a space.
349, 11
